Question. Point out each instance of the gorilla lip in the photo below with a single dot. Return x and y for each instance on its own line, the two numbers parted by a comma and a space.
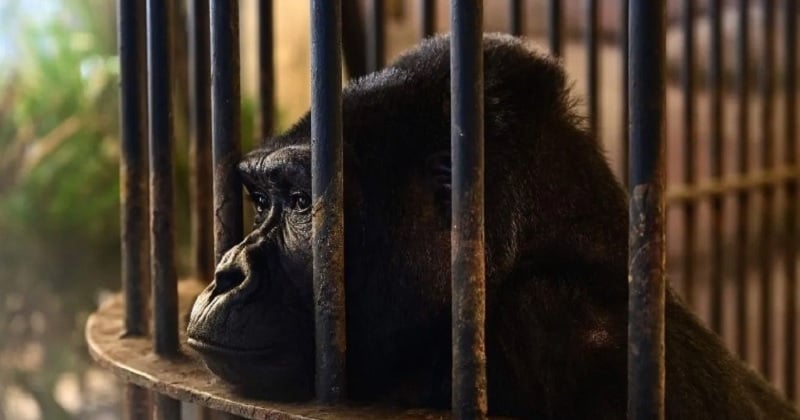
210, 348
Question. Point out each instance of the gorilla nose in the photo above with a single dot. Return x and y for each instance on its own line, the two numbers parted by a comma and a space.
227, 278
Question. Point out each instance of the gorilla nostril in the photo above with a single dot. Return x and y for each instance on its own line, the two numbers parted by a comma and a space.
227, 278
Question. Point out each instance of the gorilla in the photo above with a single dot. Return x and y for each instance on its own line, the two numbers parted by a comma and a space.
556, 259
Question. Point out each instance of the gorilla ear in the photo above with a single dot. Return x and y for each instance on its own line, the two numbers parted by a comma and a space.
439, 171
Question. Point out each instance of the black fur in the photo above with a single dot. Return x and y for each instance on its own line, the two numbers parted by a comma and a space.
556, 232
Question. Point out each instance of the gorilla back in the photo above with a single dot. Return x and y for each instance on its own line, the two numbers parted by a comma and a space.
556, 236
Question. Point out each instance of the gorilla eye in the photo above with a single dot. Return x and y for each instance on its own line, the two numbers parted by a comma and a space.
300, 201
261, 203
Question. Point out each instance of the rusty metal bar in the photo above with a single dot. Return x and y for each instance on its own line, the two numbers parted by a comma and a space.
136, 405
592, 66
266, 69
326, 191
427, 18
554, 26
133, 164
715, 165
162, 219
354, 39
225, 124
742, 168
790, 211
689, 206
623, 45
469, 400
646, 239
515, 17
375, 35
200, 141
765, 250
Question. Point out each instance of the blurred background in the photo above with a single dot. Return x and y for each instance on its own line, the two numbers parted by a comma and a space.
59, 156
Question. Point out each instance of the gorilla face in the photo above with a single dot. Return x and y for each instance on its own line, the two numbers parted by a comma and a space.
253, 324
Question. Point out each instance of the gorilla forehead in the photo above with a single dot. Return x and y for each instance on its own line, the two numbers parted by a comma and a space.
270, 164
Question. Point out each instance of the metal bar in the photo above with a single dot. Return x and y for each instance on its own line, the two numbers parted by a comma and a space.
742, 168
689, 207
469, 400
133, 164
375, 35
266, 68
200, 144
326, 191
790, 215
427, 18
162, 219
515, 17
623, 45
592, 66
765, 257
715, 165
646, 238
166, 408
136, 405
354, 39
554, 27
225, 124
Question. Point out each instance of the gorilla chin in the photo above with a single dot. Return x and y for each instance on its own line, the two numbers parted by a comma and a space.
255, 373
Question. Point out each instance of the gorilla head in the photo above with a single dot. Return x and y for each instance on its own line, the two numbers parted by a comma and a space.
556, 238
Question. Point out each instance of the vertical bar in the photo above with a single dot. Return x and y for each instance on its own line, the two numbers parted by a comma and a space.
623, 44
469, 400
554, 26
326, 191
131, 37
162, 242
427, 18
515, 17
162, 219
225, 124
742, 167
375, 35
689, 213
715, 164
354, 40
200, 144
266, 68
790, 215
765, 248
133, 164
592, 62
646, 238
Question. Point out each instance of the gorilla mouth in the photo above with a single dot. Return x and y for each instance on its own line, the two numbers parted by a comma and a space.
211, 349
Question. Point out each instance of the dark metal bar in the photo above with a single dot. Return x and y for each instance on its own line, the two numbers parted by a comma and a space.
162, 219
646, 244
515, 17
790, 215
326, 191
200, 141
266, 69
166, 408
136, 404
623, 45
592, 65
133, 164
554, 26
354, 39
688, 208
427, 18
742, 167
765, 257
469, 400
375, 35
715, 164
225, 124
